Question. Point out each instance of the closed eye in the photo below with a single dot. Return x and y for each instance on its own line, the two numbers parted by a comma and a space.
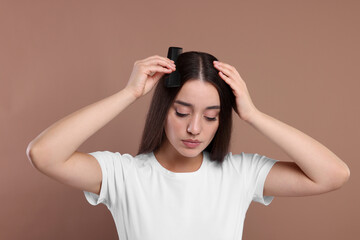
210, 119
184, 115
180, 114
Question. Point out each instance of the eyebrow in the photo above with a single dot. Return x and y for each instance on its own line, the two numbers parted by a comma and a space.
190, 105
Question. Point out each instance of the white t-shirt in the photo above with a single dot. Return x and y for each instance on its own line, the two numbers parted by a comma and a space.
147, 201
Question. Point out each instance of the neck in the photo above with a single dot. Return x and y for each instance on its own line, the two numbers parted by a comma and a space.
173, 161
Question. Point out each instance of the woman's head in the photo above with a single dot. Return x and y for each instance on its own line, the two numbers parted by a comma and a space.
202, 87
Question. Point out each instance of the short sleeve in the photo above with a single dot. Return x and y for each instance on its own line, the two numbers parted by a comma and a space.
109, 163
258, 167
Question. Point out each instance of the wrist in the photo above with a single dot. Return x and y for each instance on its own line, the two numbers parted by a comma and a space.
130, 94
251, 117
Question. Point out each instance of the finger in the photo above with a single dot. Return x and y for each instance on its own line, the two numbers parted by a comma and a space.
225, 66
228, 81
161, 58
160, 62
154, 68
225, 77
225, 71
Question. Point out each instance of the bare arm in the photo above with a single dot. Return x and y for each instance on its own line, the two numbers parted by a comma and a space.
54, 153
59, 141
314, 169
311, 161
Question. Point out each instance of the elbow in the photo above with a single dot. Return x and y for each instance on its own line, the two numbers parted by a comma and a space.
346, 175
31, 154
341, 178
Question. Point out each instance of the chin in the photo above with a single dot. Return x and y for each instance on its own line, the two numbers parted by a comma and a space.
188, 152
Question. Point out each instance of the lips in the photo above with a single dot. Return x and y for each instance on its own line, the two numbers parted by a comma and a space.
192, 140
192, 144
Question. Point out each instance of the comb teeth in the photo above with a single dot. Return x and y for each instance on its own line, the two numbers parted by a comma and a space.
173, 79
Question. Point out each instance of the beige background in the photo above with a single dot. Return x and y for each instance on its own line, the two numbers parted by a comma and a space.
299, 59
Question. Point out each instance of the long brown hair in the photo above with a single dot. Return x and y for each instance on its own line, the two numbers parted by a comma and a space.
190, 65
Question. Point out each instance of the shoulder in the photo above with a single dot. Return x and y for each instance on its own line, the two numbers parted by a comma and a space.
240, 164
231, 161
247, 161
237, 158
246, 158
117, 158
125, 159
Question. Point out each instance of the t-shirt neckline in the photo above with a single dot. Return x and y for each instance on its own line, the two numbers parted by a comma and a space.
180, 174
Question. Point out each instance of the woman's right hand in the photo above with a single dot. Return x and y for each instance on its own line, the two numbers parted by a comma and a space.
146, 74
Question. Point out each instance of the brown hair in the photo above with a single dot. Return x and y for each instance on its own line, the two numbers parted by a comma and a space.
190, 65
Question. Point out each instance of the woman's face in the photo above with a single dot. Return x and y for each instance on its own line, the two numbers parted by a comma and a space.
193, 115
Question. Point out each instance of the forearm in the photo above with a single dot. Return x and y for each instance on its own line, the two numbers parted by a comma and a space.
59, 141
316, 161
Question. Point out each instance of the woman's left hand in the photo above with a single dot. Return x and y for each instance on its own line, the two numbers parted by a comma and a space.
245, 106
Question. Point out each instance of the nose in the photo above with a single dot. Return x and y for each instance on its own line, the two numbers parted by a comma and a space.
194, 126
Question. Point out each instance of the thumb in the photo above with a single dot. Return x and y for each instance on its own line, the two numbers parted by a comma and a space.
157, 76
152, 81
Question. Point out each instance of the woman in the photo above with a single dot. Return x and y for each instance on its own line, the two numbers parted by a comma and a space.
183, 183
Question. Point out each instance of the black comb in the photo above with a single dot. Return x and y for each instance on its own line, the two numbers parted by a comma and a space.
173, 79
